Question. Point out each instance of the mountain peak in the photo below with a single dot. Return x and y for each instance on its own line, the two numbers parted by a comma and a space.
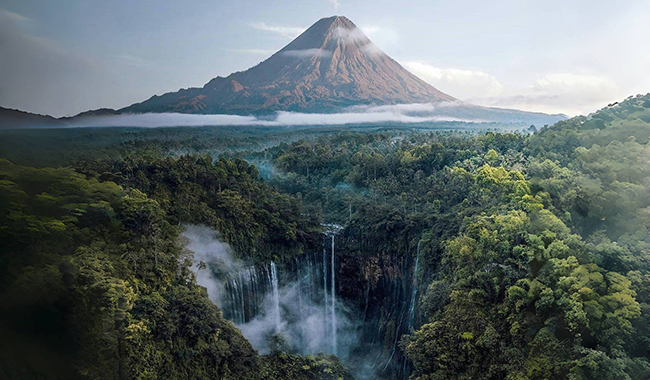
338, 21
332, 64
328, 32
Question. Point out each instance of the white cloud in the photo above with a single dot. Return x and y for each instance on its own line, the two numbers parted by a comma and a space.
372, 49
403, 113
568, 93
563, 82
307, 53
460, 83
349, 35
399, 108
367, 114
370, 116
284, 31
359, 35
15, 17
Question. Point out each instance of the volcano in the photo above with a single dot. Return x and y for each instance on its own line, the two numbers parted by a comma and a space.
333, 64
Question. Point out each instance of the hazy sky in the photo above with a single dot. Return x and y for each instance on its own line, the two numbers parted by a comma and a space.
66, 56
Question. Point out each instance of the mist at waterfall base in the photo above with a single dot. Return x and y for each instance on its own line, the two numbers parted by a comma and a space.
216, 255
296, 300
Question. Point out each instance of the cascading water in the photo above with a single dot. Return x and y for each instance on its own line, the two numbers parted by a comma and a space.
296, 301
276, 299
331, 231
334, 329
414, 291
301, 303
326, 303
311, 306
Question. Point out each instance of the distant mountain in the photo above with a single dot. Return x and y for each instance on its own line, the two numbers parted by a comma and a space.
329, 66
11, 118
332, 67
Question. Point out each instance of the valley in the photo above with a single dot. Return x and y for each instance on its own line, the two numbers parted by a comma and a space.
428, 228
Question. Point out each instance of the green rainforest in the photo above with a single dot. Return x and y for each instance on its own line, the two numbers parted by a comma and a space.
425, 253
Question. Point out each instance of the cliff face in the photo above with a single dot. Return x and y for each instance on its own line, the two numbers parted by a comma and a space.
332, 64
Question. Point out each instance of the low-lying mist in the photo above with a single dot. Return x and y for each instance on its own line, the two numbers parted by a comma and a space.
408, 114
400, 113
283, 306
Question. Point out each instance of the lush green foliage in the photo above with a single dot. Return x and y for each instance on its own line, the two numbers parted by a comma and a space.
257, 221
95, 284
536, 247
534, 250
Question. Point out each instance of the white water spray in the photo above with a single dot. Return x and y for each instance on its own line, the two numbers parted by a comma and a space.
326, 303
414, 292
331, 231
276, 299
334, 329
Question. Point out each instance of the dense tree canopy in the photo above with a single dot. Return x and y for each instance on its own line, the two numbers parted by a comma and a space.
536, 246
533, 251
95, 283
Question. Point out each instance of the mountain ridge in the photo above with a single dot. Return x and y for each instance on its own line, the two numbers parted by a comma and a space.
332, 67
13, 118
329, 66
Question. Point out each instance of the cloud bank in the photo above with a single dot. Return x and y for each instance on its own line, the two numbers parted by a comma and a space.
399, 114
402, 113
574, 94
570, 93
463, 84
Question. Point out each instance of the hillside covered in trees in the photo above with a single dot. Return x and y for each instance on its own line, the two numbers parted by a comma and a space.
96, 283
462, 255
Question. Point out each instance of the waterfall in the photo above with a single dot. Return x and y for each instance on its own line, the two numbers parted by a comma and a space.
414, 291
300, 280
367, 297
302, 300
276, 298
242, 299
331, 231
297, 298
256, 294
334, 329
326, 303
